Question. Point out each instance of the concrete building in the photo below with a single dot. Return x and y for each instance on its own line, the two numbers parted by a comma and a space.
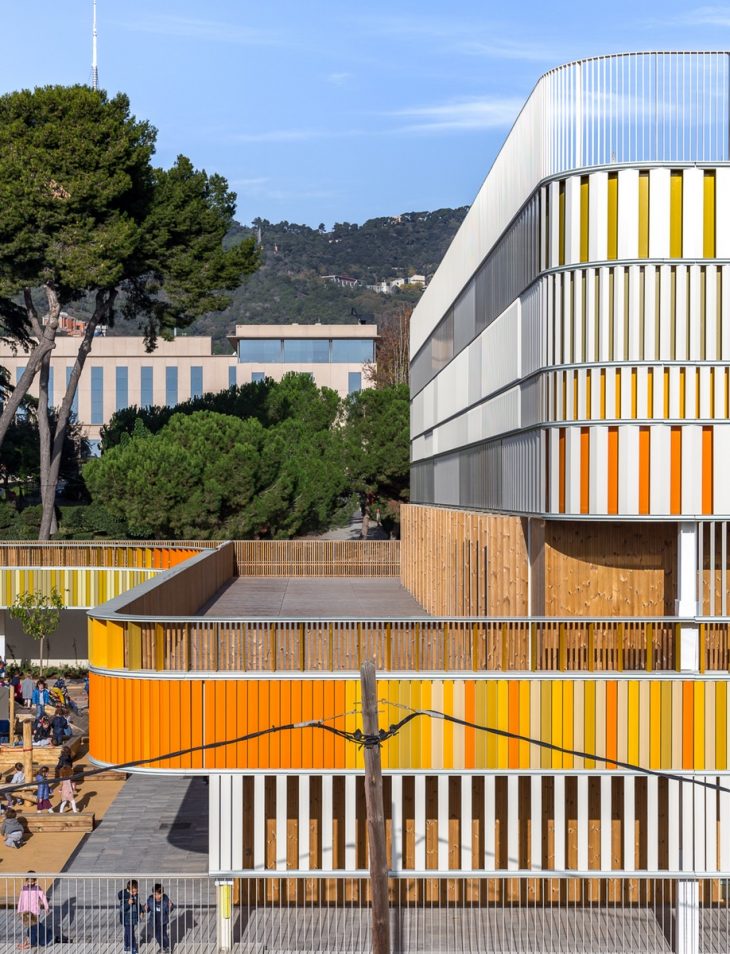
335, 355
119, 372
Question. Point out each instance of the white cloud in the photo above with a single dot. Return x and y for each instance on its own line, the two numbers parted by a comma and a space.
459, 115
208, 30
339, 79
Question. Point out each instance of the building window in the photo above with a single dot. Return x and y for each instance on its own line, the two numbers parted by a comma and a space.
232, 376
97, 396
260, 350
75, 402
122, 382
352, 350
306, 351
354, 382
258, 376
94, 448
171, 386
22, 412
145, 386
196, 381
51, 389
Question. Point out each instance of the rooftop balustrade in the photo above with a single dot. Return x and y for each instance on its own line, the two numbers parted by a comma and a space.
426, 644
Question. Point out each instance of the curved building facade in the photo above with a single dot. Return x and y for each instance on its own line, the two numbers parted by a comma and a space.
570, 357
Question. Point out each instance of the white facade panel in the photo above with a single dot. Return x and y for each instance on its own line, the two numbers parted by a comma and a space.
660, 464
692, 217
722, 201
598, 219
659, 213
691, 469
572, 220
628, 469
628, 213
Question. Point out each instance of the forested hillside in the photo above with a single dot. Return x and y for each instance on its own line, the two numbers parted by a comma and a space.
289, 285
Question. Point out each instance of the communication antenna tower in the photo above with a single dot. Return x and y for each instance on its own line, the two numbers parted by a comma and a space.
94, 58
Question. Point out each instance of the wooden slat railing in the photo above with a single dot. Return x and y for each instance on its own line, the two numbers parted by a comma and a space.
322, 558
415, 645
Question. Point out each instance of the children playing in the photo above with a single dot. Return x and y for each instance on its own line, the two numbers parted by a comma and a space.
67, 790
44, 790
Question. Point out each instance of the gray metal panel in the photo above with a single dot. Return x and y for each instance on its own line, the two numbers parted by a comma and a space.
446, 480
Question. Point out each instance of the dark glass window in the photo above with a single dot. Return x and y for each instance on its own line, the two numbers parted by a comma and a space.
354, 382
306, 351
196, 381
260, 350
97, 396
352, 350
145, 390
122, 376
171, 386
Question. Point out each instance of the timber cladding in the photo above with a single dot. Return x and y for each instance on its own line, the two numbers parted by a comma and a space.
463, 563
317, 558
611, 569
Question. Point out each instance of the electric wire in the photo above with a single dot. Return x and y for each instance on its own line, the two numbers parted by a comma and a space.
365, 740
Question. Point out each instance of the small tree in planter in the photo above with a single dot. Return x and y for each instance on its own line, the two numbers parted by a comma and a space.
38, 614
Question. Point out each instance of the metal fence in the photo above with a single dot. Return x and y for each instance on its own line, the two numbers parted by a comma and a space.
509, 913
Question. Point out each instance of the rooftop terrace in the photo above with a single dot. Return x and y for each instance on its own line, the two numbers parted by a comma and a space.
341, 597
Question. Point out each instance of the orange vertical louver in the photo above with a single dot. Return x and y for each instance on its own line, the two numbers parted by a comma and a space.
707, 470
613, 470
644, 469
675, 473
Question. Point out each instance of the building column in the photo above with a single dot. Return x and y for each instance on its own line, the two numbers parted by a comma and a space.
686, 602
224, 914
687, 918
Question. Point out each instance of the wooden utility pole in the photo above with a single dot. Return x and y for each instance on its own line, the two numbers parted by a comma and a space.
376, 816
27, 755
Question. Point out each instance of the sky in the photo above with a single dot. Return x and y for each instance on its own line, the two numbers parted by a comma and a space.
329, 110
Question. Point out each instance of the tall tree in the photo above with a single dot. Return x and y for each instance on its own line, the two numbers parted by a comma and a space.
84, 214
392, 365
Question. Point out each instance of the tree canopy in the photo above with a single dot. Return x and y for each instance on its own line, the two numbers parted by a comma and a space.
86, 216
283, 470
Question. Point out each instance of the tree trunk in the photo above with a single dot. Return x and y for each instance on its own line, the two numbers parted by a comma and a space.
104, 304
40, 661
44, 432
46, 336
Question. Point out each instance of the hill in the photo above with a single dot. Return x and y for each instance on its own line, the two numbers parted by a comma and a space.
289, 285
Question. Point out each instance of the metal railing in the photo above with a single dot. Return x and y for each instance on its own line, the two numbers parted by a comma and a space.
475, 912
417, 644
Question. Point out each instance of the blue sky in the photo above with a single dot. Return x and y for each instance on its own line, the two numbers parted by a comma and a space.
317, 110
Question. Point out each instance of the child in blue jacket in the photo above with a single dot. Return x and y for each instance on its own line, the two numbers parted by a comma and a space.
158, 908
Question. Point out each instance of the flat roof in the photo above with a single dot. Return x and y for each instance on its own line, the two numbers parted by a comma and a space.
304, 331
289, 597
